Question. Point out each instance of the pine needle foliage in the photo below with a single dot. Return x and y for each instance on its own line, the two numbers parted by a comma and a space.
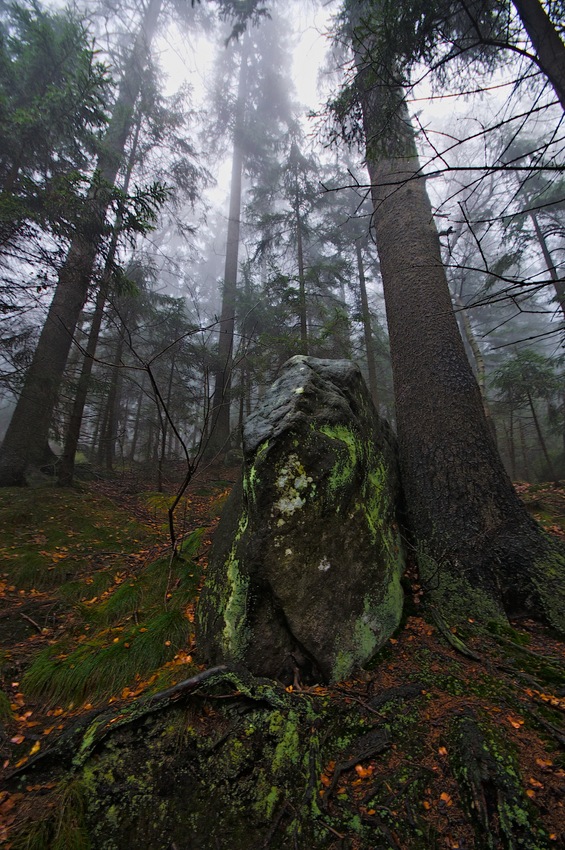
63, 828
136, 629
107, 662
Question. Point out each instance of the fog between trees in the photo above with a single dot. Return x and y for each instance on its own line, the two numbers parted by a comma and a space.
169, 241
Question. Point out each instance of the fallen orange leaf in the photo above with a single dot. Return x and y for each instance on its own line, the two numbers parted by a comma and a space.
363, 772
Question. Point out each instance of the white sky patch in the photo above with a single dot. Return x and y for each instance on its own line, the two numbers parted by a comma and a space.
309, 53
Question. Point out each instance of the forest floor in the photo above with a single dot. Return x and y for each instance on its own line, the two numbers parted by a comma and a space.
94, 615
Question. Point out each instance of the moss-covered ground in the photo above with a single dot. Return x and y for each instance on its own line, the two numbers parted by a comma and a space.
430, 748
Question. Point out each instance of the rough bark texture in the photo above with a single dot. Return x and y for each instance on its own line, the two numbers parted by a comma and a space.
480, 553
27, 434
549, 48
304, 579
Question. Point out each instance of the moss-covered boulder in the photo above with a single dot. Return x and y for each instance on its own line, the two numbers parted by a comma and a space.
304, 577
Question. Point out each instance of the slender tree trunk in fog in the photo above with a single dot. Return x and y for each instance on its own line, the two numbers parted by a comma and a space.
367, 329
165, 424
221, 401
558, 283
27, 434
559, 287
110, 431
137, 421
66, 467
479, 548
301, 281
511, 445
549, 47
524, 449
541, 438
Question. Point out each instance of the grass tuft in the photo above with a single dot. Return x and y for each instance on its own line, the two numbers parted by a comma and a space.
78, 591
108, 662
63, 829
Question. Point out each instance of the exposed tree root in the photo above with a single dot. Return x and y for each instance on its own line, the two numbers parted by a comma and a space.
80, 741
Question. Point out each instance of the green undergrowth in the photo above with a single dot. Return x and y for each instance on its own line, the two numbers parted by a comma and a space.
50, 536
128, 634
64, 830
108, 661
414, 764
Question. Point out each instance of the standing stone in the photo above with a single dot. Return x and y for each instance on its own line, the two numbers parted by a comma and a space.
304, 576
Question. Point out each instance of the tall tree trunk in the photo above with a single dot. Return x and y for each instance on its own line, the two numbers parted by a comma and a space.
165, 424
479, 550
559, 286
524, 448
558, 283
478, 359
220, 424
28, 431
550, 49
135, 435
511, 445
66, 468
367, 329
301, 280
110, 432
541, 439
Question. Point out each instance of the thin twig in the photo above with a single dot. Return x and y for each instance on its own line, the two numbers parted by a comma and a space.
33, 623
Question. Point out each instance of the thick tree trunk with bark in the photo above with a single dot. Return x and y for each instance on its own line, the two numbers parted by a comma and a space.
550, 49
27, 434
480, 553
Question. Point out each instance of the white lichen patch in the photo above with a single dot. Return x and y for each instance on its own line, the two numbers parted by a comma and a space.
299, 390
302, 482
324, 565
292, 483
289, 504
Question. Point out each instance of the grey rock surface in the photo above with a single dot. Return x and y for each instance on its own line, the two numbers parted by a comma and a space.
303, 581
